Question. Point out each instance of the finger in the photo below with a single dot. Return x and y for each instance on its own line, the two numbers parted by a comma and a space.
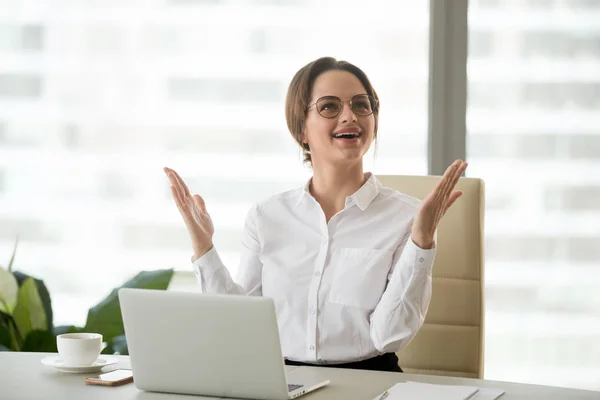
459, 168
445, 183
180, 182
439, 186
171, 176
200, 202
444, 179
453, 179
175, 183
177, 198
459, 172
453, 197
179, 189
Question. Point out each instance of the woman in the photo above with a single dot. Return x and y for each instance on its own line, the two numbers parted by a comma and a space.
346, 260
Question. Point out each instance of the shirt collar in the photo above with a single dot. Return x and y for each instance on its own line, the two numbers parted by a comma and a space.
367, 192
303, 191
362, 197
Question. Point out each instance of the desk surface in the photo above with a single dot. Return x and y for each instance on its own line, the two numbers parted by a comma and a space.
23, 377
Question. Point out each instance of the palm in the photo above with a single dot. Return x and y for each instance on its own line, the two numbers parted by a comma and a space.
195, 217
435, 205
193, 211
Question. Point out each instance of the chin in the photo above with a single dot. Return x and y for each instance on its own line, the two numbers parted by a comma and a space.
350, 159
345, 157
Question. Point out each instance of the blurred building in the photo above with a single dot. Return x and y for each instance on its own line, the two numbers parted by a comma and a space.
97, 96
533, 133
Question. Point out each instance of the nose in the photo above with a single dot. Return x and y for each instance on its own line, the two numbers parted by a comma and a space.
347, 114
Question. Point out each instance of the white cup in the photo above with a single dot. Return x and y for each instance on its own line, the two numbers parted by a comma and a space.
79, 349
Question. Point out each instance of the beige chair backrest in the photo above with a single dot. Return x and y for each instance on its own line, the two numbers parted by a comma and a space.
451, 340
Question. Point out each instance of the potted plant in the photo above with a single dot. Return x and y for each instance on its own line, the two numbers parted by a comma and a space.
26, 312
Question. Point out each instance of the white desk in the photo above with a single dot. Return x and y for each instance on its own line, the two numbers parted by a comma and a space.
22, 376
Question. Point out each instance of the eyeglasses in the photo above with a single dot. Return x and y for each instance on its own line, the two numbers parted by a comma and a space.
331, 106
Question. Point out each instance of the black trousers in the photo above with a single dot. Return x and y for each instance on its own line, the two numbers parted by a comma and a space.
384, 362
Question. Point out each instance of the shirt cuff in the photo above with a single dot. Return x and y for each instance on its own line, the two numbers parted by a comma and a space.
421, 258
208, 264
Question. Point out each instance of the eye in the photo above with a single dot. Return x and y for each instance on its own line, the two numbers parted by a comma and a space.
329, 106
364, 105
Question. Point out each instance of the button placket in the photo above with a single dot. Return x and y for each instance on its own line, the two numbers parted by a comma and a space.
312, 311
313, 300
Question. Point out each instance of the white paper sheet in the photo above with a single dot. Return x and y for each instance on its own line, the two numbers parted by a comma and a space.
426, 391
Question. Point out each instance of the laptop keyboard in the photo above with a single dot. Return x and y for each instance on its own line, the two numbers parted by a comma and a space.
292, 387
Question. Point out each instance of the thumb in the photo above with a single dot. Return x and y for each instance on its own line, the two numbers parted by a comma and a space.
453, 197
200, 203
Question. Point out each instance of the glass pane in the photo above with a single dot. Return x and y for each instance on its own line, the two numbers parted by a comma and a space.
97, 96
534, 137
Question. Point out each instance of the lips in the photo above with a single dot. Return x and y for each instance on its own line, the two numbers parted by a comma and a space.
347, 133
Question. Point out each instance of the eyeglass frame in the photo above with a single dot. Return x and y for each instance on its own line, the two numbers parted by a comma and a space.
375, 105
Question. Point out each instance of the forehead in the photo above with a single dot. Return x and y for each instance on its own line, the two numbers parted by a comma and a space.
342, 84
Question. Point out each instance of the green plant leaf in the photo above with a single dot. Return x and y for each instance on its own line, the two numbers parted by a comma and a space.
4, 334
105, 318
16, 341
12, 258
9, 290
29, 313
44, 295
40, 341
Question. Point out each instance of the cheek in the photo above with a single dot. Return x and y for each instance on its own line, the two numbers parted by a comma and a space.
368, 126
319, 130
371, 124
371, 128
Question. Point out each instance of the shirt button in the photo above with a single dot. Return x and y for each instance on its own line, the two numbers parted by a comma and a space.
317, 273
421, 259
313, 311
312, 347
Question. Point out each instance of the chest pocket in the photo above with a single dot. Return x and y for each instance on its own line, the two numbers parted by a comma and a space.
359, 276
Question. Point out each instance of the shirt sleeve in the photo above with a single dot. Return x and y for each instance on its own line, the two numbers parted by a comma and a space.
402, 308
214, 277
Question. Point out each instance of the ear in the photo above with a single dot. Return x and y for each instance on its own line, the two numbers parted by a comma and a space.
304, 142
303, 138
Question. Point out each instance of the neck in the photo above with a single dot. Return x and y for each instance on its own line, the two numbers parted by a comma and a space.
332, 184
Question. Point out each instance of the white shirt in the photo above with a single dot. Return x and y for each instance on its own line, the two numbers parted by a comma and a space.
344, 291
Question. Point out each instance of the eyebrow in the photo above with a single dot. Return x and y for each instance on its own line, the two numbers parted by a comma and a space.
315, 98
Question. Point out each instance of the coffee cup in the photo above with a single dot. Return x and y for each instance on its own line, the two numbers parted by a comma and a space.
79, 349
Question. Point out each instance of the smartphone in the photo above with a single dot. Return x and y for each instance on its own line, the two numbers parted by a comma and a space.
113, 378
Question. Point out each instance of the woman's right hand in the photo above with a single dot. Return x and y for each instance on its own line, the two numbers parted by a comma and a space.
193, 210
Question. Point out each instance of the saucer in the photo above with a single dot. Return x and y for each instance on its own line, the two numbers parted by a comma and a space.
59, 364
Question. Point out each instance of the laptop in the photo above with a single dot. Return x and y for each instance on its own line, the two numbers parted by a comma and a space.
207, 344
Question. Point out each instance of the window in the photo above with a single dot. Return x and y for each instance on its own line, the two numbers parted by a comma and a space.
112, 95
534, 136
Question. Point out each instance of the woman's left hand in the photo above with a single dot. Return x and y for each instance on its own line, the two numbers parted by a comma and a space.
435, 205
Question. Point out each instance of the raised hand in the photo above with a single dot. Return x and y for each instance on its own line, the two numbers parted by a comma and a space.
435, 205
193, 210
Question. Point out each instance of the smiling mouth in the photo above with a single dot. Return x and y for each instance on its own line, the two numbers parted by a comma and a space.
346, 135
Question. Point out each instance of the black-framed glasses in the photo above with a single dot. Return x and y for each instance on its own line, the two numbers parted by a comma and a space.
331, 106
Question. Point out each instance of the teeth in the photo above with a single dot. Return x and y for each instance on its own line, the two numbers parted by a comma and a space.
346, 134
